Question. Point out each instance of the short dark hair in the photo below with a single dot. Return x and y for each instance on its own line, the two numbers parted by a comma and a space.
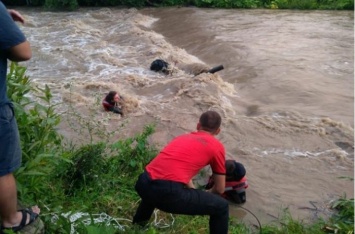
210, 121
235, 171
110, 96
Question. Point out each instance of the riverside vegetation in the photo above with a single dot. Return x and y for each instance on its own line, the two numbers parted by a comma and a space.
89, 188
269, 4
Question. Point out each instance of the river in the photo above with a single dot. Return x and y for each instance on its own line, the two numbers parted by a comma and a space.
286, 94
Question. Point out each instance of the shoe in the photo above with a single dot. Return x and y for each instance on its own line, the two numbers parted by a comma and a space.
33, 217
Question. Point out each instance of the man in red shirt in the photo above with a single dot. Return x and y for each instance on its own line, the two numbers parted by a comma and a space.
166, 183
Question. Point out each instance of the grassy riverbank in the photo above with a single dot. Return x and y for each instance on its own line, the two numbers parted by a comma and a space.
249, 4
90, 188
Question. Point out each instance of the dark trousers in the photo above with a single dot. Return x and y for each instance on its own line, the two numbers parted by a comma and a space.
174, 197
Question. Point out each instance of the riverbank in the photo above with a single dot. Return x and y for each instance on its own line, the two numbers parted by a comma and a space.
242, 4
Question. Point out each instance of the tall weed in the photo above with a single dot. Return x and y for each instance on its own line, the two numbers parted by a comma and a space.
37, 120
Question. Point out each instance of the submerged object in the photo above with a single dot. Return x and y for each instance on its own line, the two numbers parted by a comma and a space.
212, 70
159, 65
215, 69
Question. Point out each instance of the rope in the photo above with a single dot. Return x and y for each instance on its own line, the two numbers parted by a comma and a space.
260, 228
161, 223
87, 219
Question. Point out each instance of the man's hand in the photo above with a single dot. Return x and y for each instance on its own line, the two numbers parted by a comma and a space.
16, 16
190, 184
219, 184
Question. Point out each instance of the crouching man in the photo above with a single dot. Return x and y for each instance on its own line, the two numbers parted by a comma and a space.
166, 183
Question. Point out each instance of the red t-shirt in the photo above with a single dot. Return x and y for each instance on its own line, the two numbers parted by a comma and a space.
186, 155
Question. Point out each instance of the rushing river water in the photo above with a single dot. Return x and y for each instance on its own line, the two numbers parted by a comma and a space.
286, 94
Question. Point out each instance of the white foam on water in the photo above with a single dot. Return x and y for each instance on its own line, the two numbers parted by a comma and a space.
294, 153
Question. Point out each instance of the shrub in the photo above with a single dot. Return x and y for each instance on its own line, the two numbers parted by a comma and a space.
296, 4
37, 120
87, 166
61, 4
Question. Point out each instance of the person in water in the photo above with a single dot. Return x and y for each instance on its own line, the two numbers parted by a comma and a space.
236, 182
166, 182
111, 102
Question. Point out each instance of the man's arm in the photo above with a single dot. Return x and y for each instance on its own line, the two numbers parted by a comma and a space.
190, 184
16, 16
219, 184
20, 52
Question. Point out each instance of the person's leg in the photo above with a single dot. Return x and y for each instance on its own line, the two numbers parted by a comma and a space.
198, 202
10, 160
146, 207
8, 200
143, 213
219, 220
9, 214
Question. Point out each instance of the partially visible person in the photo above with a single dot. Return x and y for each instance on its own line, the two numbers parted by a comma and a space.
112, 102
167, 184
15, 47
236, 182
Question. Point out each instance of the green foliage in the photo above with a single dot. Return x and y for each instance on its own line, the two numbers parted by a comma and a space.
35, 2
94, 229
297, 4
312, 4
169, 3
56, 223
61, 4
40, 142
289, 225
228, 3
343, 220
336, 4
87, 165
134, 153
99, 2
133, 3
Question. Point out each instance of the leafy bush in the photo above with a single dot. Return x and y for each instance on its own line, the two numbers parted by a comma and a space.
228, 3
336, 4
296, 4
134, 3
343, 220
87, 166
61, 4
40, 143
133, 153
